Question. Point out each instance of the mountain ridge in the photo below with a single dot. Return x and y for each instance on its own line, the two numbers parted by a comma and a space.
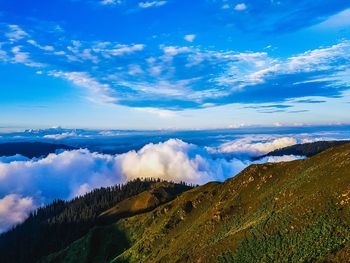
31, 149
306, 149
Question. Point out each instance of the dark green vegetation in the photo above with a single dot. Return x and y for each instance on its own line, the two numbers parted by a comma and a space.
276, 212
55, 226
306, 149
31, 149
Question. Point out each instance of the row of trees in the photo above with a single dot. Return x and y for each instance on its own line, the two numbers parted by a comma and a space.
53, 227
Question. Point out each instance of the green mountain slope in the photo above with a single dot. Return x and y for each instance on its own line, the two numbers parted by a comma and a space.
284, 212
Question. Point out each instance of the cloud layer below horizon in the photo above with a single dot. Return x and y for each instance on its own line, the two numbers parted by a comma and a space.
26, 183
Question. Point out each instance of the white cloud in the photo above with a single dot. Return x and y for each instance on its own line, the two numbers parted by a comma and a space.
176, 89
65, 174
79, 51
255, 146
338, 21
318, 59
240, 7
178, 161
120, 50
277, 159
151, 4
60, 136
76, 52
256, 68
45, 48
135, 70
103, 68
190, 38
16, 33
14, 209
19, 56
110, 2
22, 57
102, 92
174, 50
58, 175
3, 54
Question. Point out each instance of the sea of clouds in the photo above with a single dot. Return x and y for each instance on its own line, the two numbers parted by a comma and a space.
26, 184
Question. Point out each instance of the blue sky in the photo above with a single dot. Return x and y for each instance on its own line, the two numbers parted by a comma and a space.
154, 64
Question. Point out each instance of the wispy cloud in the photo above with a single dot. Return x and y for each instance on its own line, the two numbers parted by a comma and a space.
110, 2
339, 20
45, 48
22, 57
176, 77
119, 50
14, 209
100, 92
148, 4
16, 33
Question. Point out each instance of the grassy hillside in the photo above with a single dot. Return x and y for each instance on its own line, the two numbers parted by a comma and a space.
284, 212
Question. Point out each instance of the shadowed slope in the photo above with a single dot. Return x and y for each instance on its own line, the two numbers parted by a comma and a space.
102, 243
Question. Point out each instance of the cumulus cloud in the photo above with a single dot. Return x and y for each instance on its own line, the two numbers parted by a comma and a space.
14, 209
58, 175
254, 146
178, 161
25, 183
66, 174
